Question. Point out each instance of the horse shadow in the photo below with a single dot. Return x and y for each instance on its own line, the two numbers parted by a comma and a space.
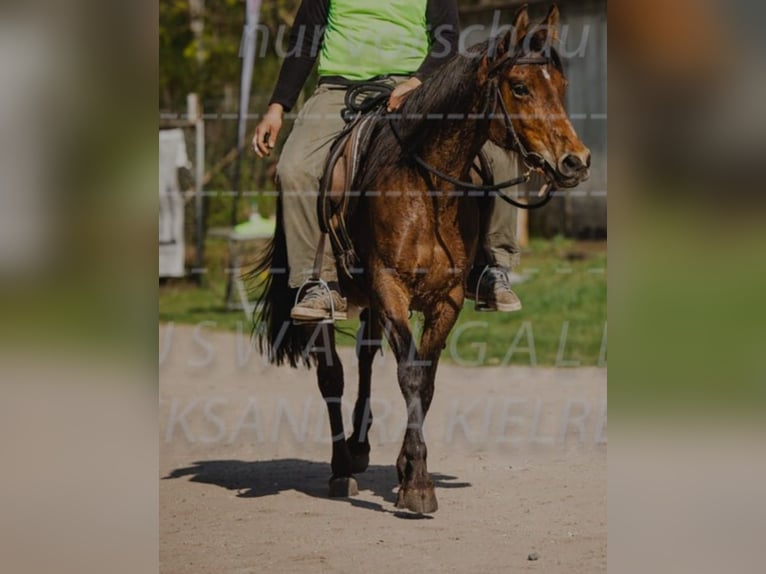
271, 477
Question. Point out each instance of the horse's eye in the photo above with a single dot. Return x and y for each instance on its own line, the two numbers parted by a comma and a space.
520, 90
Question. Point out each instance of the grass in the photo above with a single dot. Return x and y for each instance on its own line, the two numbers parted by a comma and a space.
563, 321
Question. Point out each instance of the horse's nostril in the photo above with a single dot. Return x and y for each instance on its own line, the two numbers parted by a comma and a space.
570, 163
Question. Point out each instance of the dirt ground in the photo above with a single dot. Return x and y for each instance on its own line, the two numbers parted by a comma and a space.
518, 456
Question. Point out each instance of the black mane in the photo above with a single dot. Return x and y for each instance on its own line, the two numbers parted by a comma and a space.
449, 90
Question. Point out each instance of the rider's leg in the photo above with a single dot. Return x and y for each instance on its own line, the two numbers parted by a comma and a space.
502, 247
300, 167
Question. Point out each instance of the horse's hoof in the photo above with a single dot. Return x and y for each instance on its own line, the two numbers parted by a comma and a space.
420, 500
343, 487
359, 462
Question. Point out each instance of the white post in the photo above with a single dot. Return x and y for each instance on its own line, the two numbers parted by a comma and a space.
194, 115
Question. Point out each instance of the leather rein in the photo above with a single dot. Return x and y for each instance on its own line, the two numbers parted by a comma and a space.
375, 97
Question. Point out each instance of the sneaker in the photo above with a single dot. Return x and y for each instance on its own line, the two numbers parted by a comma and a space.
315, 305
495, 292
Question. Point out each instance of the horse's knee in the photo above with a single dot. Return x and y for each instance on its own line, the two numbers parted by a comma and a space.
330, 384
411, 375
330, 378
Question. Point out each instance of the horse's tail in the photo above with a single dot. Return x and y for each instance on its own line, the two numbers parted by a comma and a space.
276, 334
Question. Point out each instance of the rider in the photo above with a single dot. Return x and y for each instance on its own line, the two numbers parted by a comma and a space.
400, 43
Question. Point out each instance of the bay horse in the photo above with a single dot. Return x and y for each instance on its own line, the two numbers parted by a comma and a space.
416, 244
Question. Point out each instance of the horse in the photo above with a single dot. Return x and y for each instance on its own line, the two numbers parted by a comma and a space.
416, 244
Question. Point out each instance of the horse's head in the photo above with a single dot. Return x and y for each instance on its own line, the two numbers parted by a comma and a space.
525, 73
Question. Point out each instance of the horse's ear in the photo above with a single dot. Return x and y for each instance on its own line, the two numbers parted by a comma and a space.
499, 46
551, 24
521, 22
514, 36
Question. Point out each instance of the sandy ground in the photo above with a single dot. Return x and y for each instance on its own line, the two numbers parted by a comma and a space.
518, 456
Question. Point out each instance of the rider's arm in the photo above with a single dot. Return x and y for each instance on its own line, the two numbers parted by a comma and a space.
444, 29
311, 19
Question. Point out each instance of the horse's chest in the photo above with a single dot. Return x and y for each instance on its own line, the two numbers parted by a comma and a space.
425, 248
439, 257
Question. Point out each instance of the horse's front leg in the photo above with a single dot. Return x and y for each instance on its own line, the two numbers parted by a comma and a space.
330, 377
417, 378
416, 489
416, 369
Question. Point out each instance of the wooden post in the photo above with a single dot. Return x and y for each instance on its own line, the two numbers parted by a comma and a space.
522, 223
522, 218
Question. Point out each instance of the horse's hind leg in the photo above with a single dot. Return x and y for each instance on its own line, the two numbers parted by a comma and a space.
368, 342
330, 376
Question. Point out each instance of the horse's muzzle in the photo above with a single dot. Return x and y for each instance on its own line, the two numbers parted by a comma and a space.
574, 167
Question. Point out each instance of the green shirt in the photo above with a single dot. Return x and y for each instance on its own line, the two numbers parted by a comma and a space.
367, 38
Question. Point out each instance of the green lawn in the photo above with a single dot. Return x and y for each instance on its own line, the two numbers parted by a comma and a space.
563, 320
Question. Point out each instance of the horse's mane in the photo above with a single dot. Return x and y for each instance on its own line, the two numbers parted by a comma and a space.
449, 90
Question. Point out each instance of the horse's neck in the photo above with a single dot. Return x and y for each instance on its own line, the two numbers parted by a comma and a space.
453, 148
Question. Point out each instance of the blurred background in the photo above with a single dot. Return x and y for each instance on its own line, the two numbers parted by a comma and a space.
78, 265
687, 381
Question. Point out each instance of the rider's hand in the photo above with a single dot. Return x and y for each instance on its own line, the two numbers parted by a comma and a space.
267, 130
400, 92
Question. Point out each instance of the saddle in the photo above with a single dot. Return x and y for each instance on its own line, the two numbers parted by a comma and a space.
337, 197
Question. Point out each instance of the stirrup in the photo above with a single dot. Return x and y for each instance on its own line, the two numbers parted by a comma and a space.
307, 283
478, 304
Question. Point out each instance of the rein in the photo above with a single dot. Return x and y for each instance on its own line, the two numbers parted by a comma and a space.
373, 97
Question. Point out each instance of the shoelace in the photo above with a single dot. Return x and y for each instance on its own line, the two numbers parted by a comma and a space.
314, 293
500, 275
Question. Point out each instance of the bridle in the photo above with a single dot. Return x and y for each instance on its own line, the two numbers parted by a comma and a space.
373, 97
495, 98
511, 59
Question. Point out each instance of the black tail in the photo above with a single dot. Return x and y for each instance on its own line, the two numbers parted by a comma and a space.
276, 334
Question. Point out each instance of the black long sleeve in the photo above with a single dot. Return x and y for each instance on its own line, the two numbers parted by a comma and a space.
308, 32
444, 29
305, 42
